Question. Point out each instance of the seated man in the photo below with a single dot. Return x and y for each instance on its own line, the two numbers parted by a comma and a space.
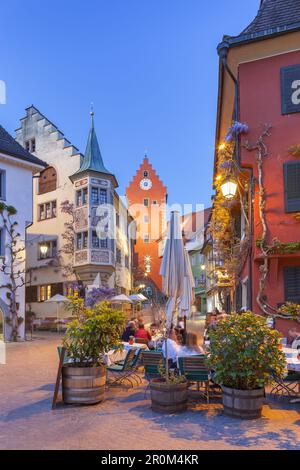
129, 331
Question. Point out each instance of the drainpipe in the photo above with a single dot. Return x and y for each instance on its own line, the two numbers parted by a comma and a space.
223, 49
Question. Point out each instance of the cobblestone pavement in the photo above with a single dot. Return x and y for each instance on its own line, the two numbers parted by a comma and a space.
124, 420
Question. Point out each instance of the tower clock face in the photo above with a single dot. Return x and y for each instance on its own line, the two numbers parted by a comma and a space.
146, 184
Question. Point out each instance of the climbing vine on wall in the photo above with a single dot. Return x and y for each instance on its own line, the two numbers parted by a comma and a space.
231, 252
276, 246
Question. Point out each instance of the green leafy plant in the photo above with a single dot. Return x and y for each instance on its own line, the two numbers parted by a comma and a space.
92, 333
295, 150
291, 310
245, 351
172, 378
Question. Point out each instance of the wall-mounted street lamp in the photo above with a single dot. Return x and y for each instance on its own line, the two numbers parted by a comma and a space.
44, 249
203, 267
229, 188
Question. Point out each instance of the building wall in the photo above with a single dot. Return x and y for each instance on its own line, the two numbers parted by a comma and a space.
18, 193
54, 149
156, 216
260, 102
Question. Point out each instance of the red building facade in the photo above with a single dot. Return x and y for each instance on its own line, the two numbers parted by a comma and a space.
147, 197
259, 85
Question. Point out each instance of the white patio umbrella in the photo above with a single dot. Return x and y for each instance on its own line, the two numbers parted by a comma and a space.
188, 296
142, 297
121, 299
173, 267
58, 299
135, 298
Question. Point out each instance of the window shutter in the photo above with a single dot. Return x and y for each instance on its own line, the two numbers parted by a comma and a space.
292, 186
292, 284
237, 225
57, 288
31, 294
238, 297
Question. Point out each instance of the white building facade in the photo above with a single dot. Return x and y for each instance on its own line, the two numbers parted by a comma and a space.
17, 167
64, 251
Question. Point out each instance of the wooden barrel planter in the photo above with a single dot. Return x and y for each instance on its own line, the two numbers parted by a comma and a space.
83, 385
168, 398
243, 404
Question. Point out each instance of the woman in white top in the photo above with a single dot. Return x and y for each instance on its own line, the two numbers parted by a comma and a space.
173, 348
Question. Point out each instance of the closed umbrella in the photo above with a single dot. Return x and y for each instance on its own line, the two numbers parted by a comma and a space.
58, 299
173, 267
188, 296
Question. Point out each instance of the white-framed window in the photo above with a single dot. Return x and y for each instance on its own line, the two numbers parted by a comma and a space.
44, 293
95, 196
47, 210
146, 219
146, 238
81, 240
146, 202
81, 197
98, 242
2, 184
146, 174
103, 196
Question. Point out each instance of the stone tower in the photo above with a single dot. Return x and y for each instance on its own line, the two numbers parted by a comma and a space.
147, 197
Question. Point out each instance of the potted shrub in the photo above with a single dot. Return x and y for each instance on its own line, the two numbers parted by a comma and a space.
169, 392
244, 352
92, 333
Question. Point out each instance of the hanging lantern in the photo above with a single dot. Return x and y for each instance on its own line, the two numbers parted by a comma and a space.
229, 188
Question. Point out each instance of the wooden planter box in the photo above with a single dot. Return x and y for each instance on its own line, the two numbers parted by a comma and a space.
168, 398
83, 385
243, 404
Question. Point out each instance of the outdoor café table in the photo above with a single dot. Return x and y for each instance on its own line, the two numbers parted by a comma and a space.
116, 355
293, 364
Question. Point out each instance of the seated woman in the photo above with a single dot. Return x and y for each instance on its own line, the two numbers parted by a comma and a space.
142, 333
191, 348
129, 331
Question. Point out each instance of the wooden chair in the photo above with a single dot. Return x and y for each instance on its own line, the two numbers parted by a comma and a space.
151, 361
125, 370
194, 368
